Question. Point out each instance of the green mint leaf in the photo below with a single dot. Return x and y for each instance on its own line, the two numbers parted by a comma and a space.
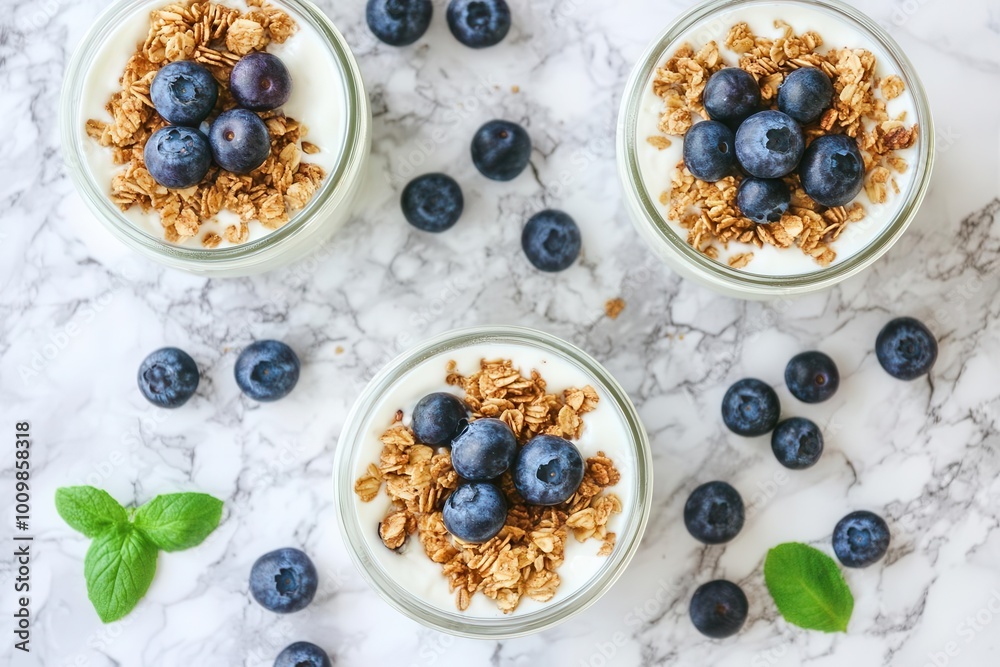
119, 568
179, 520
808, 588
88, 510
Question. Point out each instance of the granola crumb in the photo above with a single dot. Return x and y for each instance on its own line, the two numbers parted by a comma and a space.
614, 307
659, 141
515, 89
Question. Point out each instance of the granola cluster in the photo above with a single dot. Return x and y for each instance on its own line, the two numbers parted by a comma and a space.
523, 558
216, 36
708, 211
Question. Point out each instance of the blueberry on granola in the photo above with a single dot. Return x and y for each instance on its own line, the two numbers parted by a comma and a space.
708, 151
475, 512
551, 240
399, 22
548, 470
184, 92
483, 450
438, 418
501, 150
303, 654
240, 141
805, 94
284, 581
168, 377
479, 23
731, 96
177, 157
769, 144
432, 202
832, 170
763, 200
260, 82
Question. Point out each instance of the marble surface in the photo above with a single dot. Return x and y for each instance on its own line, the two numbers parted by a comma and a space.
81, 312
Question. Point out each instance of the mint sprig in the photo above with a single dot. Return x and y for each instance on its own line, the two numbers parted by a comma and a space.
808, 588
121, 561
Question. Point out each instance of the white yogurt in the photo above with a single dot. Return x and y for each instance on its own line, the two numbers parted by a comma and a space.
657, 166
603, 430
316, 101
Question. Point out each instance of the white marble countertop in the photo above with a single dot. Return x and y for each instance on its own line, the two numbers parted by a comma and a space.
925, 454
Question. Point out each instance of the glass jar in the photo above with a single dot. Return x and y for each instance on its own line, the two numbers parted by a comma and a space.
308, 227
706, 21
398, 581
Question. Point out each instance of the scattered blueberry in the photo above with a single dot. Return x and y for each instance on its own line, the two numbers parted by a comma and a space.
184, 93
475, 512
860, 539
438, 418
548, 470
267, 370
168, 377
797, 443
805, 94
551, 240
751, 408
260, 82
763, 200
483, 450
906, 348
769, 144
832, 170
714, 513
501, 150
177, 157
731, 96
303, 654
432, 202
708, 151
283, 581
240, 141
479, 23
399, 22
719, 609
812, 377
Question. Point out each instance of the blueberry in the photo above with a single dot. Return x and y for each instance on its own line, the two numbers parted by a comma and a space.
751, 408
763, 200
551, 240
240, 141
548, 470
303, 654
483, 450
475, 512
719, 609
769, 144
708, 151
832, 170
731, 95
260, 82
184, 93
714, 513
177, 157
812, 377
906, 348
267, 370
432, 202
501, 150
797, 443
479, 23
805, 94
283, 581
168, 377
860, 539
399, 22
438, 418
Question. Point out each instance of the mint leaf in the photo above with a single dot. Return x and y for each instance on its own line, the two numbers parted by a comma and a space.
808, 588
88, 510
119, 568
179, 520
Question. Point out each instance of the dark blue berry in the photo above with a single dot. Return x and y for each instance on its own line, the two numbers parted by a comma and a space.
769, 144
283, 581
303, 654
832, 170
184, 93
812, 377
719, 609
548, 470
432, 202
805, 94
501, 150
708, 151
479, 23
906, 348
714, 513
177, 157
168, 377
797, 443
267, 370
731, 95
860, 539
438, 418
751, 408
763, 200
475, 512
483, 450
551, 240
240, 141
260, 82
399, 22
